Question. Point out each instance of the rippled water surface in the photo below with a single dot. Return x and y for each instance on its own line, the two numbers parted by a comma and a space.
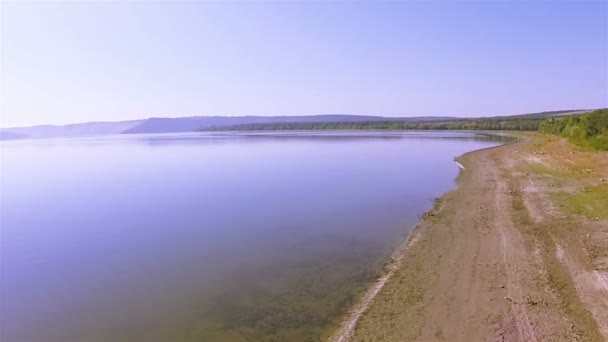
206, 237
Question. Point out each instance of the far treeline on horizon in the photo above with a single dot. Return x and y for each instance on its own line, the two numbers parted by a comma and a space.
586, 128
120, 67
445, 62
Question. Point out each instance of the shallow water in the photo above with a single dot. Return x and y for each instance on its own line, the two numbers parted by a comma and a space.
206, 237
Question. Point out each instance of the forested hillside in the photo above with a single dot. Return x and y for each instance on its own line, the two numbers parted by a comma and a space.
524, 122
588, 130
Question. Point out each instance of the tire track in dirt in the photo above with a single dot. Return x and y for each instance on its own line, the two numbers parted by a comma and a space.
504, 223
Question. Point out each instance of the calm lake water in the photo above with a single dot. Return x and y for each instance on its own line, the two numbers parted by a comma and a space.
206, 237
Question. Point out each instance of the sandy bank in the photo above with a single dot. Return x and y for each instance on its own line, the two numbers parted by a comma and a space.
482, 264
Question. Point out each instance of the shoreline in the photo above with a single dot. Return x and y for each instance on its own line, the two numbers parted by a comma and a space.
497, 258
347, 325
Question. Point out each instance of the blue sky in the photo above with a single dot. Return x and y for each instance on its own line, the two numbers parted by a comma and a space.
104, 61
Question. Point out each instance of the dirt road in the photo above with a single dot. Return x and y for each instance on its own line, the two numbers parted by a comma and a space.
517, 252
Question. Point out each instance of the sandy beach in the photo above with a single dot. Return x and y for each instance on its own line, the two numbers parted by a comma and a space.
517, 251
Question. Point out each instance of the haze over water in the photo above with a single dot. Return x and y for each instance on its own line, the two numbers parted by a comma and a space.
210, 236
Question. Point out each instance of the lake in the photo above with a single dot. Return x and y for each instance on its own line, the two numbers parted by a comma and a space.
207, 236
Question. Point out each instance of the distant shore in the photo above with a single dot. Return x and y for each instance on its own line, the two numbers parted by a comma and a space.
491, 261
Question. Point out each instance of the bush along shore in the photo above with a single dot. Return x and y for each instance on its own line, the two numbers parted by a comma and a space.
589, 130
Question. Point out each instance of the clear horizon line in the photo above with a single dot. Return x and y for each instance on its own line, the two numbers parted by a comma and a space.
306, 115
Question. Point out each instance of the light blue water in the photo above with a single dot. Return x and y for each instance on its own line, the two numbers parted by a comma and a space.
206, 237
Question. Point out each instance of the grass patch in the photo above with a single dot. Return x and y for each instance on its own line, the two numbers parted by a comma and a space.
544, 170
591, 143
584, 327
591, 202
539, 142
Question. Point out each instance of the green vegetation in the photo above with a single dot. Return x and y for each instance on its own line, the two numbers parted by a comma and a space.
591, 202
544, 170
458, 124
524, 122
588, 130
556, 276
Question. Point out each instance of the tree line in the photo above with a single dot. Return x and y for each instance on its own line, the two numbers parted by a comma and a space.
587, 130
503, 123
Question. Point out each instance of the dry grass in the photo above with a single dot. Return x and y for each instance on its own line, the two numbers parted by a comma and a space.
556, 277
591, 201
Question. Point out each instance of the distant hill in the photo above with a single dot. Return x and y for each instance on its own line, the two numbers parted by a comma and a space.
190, 124
329, 121
72, 130
540, 114
11, 136
522, 122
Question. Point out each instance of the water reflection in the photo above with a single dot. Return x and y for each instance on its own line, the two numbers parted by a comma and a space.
213, 237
